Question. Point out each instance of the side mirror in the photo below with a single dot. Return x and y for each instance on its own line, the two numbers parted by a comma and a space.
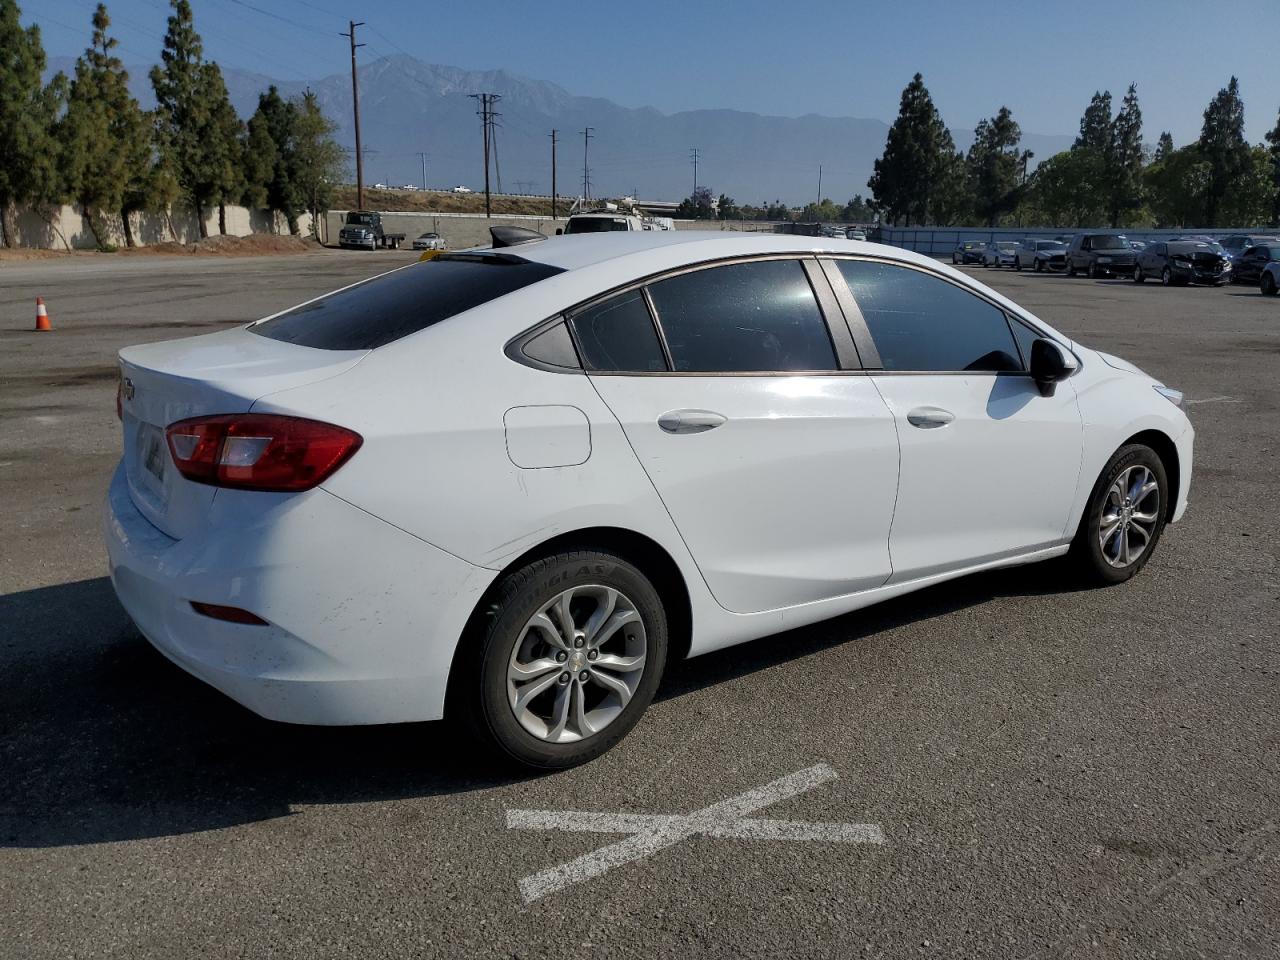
1050, 362
559, 231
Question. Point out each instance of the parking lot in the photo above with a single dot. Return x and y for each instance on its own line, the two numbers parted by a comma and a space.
1001, 766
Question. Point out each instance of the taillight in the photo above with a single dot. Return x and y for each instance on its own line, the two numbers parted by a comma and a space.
259, 451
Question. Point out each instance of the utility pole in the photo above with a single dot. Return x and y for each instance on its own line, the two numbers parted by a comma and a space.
485, 113
423, 157
586, 171
819, 202
553, 173
355, 106
693, 155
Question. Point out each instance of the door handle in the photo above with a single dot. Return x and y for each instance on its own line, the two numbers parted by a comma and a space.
690, 421
928, 418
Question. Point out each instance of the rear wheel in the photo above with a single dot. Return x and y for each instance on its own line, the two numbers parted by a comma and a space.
1268, 285
1071, 268
1166, 278
1138, 275
1017, 264
1124, 518
567, 659
1039, 266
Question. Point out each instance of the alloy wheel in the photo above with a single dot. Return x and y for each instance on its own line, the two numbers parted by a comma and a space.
1166, 277
577, 663
1130, 515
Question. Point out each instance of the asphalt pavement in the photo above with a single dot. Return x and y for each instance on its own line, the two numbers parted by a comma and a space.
1001, 766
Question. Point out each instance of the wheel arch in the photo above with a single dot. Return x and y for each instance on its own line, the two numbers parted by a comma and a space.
1167, 451
646, 553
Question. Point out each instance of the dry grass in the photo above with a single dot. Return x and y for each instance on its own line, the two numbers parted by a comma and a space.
438, 201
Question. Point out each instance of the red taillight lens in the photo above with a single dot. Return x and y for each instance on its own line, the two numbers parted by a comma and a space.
259, 451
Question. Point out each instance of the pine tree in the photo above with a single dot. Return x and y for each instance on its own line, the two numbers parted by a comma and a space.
1164, 149
28, 155
1095, 125
280, 118
1273, 138
1124, 159
1223, 147
318, 160
917, 155
103, 132
995, 166
224, 143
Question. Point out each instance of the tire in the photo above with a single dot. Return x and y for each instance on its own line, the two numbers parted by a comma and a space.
1071, 268
1138, 275
1039, 266
480, 691
955, 260
1166, 278
1017, 264
1268, 285
1095, 563
1094, 272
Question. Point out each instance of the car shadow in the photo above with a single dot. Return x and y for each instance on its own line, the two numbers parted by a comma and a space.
103, 739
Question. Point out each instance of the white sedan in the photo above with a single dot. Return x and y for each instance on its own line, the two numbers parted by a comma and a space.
429, 241
510, 484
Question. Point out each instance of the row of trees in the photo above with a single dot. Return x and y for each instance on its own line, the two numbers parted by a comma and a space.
701, 205
1107, 177
85, 139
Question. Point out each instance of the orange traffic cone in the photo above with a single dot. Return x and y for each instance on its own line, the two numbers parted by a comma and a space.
42, 316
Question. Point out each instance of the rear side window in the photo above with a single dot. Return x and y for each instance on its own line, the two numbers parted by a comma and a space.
389, 307
922, 322
617, 335
751, 317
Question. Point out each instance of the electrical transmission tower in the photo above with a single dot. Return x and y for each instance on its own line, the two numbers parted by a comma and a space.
586, 170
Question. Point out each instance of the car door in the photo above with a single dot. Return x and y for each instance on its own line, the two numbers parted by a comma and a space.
988, 465
774, 454
1251, 263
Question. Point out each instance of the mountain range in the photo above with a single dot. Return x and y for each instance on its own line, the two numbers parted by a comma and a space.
408, 106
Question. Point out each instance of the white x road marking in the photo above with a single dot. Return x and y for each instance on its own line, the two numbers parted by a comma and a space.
653, 832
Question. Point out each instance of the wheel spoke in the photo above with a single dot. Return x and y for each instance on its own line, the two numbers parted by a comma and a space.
532, 689
565, 615
1146, 517
605, 605
1137, 481
532, 670
585, 729
619, 619
560, 712
613, 683
544, 624
1144, 533
1108, 532
610, 661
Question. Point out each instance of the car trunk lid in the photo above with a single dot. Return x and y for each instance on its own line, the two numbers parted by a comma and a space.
199, 376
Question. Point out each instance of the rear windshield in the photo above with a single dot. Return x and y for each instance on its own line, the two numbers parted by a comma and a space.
594, 225
389, 307
1110, 243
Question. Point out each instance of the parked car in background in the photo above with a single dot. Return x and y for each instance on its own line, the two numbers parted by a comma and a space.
855, 233
1000, 253
429, 241
1238, 243
1182, 262
1250, 264
1040, 255
969, 251
1270, 282
1138, 245
510, 484
460, 190
1100, 255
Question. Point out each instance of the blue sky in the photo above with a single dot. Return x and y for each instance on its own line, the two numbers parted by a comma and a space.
838, 59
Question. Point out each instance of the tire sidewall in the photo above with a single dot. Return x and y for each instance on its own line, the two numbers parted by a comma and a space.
527, 591
1086, 544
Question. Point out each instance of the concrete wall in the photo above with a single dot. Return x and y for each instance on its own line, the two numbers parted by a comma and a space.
462, 230
941, 241
65, 226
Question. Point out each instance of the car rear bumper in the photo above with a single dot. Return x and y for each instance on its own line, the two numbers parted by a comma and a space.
362, 618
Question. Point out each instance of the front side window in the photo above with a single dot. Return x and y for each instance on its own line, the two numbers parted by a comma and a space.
1110, 243
923, 323
617, 335
759, 316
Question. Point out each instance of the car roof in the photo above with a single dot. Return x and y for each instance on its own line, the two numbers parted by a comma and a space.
670, 248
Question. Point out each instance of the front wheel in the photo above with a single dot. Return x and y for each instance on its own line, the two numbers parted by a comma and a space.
1124, 517
1017, 265
1039, 267
1071, 269
568, 657
1138, 275
1268, 285
1166, 278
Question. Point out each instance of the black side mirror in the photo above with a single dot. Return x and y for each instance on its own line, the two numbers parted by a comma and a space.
1050, 363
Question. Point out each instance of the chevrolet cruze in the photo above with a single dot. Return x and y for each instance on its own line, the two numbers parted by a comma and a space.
510, 484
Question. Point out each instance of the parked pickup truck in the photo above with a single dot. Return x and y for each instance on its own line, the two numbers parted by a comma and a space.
363, 230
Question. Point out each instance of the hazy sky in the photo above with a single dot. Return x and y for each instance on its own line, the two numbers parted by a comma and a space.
839, 59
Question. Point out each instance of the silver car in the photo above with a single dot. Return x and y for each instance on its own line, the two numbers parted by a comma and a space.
429, 241
1001, 253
